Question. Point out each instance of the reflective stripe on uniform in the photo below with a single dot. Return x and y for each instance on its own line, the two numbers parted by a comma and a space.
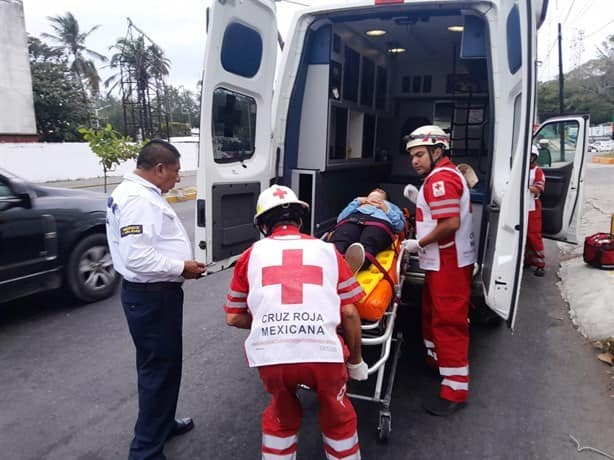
235, 304
449, 371
270, 456
348, 295
346, 283
354, 456
455, 385
237, 294
437, 212
279, 443
341, 444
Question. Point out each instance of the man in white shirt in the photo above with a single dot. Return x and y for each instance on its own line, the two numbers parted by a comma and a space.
151, 250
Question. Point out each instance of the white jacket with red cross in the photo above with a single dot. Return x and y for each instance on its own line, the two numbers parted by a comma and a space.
443, 194
294, 286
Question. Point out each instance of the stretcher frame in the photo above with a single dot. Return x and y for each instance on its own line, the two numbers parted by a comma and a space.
381, 333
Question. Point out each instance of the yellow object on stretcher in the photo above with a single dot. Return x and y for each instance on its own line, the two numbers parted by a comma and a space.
378, 291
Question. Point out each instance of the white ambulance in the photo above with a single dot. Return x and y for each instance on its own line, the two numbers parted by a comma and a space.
353, 80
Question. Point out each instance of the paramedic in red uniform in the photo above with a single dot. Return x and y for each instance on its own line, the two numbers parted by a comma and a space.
446, 251
292, 291
534, 252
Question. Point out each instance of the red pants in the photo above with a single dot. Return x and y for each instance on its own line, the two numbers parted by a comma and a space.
445, 327
282, 418
534, 251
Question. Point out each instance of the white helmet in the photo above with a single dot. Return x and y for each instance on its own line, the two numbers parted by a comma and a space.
534, 150
276, 196
428, 135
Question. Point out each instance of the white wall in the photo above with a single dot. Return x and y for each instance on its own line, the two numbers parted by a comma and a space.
16, 100
43, 162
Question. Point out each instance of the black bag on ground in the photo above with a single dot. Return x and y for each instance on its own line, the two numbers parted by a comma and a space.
599, 250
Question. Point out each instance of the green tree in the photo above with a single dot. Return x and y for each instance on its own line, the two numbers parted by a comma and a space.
183, 105
58, 102
588, 88
71, 41
110, 147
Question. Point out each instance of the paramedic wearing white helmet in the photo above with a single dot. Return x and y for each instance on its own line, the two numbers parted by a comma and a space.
534, 252
292, 291
446, 251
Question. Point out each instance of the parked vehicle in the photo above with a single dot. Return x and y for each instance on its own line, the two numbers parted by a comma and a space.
353, 81
52, 237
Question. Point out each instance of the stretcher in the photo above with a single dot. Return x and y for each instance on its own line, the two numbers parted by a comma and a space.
378, 331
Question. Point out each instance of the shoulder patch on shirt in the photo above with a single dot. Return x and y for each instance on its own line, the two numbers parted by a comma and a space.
131, 230
439, 189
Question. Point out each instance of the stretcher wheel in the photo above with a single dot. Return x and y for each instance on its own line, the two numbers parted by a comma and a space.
384, 428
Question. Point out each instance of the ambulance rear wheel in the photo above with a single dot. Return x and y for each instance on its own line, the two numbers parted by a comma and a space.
384, 427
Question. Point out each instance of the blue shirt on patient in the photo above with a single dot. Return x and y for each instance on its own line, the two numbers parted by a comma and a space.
394, 215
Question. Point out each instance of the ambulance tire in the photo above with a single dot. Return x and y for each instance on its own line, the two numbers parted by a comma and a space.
90, 275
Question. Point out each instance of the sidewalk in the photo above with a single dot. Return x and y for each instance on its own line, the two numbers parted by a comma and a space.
588, 290
185, 190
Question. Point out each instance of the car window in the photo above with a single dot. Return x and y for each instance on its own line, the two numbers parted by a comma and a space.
5, 190
556, 143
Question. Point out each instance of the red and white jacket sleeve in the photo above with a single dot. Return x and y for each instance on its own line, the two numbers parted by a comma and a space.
540, 179
348, 289
443, 194
236, 298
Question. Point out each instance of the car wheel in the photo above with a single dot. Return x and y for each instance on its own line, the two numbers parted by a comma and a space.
89, 273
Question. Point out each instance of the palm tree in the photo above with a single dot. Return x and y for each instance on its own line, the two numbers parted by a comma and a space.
144, 62
143, 67
72, 42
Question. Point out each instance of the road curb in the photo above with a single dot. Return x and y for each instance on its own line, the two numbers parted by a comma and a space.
603, 160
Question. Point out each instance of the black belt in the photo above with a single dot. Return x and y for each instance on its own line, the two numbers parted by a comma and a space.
156, 286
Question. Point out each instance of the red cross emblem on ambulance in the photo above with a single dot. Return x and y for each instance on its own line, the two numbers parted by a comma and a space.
292, 275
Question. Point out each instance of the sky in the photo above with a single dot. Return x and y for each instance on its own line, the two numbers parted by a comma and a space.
178, 27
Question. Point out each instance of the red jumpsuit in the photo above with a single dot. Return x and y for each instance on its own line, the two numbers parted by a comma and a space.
534, 252
447, 291
282, 418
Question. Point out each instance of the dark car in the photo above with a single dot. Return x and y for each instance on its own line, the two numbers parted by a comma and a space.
52, 237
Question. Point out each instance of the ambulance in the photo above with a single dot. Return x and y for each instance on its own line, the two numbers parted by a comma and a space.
328, 120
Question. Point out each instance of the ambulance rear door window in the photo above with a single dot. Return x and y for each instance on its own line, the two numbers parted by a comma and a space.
233, 126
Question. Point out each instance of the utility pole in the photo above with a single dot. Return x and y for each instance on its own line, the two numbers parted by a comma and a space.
560, 71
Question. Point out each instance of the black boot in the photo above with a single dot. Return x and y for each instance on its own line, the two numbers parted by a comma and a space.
442, 407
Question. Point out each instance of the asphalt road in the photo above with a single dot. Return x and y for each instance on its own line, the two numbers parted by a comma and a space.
68, 385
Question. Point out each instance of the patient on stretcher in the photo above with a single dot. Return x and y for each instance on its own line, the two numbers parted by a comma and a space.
365, 227
365, 232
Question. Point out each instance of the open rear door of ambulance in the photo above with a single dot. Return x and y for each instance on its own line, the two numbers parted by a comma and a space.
512, 25
561, 143
235, 130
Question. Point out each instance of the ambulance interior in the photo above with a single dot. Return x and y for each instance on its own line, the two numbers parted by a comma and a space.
366, 79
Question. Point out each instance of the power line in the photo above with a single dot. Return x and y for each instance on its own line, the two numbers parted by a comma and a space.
600, 29
569, 11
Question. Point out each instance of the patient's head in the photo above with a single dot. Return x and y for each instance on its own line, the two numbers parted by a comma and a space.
377, 195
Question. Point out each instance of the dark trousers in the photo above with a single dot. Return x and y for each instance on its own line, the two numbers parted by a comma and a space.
155, 316
374, 239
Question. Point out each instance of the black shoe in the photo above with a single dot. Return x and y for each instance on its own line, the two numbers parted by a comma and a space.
539, 271
442, 407
182, 426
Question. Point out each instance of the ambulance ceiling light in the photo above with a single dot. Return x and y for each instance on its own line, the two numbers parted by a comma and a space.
376, 32
395, 49
456, 28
